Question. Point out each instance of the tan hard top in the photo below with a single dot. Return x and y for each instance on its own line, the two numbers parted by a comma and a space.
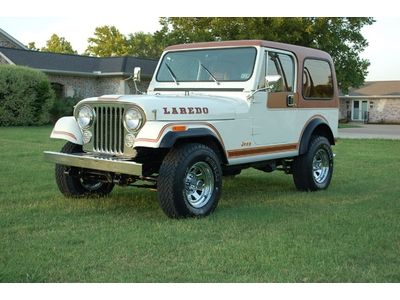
299, 51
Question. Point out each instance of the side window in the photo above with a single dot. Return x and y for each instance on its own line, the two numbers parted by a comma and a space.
282, 65
317, 79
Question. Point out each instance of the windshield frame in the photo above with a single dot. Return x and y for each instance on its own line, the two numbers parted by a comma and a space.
211, 80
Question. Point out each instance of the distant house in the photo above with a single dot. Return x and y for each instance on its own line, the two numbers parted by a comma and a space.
78, 75
374, 102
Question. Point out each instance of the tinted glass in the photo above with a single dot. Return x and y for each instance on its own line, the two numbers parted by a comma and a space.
317, 79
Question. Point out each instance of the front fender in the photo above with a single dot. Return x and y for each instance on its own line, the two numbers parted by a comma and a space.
171, 137
67, 129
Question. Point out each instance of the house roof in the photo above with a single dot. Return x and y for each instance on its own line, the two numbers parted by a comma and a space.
79, 64
377, 88
5, 36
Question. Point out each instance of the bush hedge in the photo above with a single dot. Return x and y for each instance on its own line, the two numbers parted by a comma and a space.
63, 107
26, 96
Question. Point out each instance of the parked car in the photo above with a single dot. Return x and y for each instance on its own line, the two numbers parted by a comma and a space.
211, 109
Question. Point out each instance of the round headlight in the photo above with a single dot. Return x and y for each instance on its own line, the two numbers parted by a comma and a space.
85, 116
133, 119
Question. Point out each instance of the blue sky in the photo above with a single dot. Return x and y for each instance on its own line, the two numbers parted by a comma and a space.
77, 22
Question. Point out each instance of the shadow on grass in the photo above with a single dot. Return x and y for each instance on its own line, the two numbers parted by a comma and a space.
243, 195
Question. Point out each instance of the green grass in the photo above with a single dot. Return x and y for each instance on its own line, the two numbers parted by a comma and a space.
344, 125
263, 230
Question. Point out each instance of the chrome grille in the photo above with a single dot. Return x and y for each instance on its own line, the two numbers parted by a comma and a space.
108, 131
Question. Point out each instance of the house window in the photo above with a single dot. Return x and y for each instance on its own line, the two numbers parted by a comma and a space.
58, 89
317, 79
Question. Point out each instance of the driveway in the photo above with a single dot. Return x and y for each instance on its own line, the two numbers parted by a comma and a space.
371, 131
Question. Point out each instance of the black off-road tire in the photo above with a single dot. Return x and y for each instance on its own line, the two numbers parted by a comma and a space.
74, 187
313, 170
187, 172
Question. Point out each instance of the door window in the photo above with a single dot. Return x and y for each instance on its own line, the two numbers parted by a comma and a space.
356, 110
360, 110
283, 65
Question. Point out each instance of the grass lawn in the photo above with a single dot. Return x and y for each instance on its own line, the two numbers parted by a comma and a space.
263, 230
345, 125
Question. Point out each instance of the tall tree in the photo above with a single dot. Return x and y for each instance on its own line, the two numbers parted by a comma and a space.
107, 41
58, 45
32, 46
144, 45
340, 37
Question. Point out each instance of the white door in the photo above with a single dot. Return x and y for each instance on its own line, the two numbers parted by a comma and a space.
274, 112
360, 110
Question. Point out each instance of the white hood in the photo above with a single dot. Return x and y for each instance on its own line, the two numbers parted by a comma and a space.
182, 108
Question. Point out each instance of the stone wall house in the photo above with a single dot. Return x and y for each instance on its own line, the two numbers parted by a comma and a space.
79, 76
374, 102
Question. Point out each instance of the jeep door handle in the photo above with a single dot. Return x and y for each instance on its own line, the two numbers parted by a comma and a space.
290, 100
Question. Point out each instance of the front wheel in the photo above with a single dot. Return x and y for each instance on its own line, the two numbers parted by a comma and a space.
189, 182
313, 170
75, 186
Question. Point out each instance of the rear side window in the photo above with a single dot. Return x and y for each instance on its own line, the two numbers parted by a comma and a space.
317, 79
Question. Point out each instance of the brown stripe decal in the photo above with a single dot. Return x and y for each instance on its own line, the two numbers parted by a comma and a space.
262, 150
65, 133
183, 123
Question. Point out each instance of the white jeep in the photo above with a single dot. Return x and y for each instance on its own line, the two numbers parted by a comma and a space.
211, 109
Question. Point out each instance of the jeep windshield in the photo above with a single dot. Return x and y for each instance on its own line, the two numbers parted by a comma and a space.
214, 65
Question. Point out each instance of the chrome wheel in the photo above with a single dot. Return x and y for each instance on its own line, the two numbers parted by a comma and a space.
189, 181
199, 184
320, 166
73, 186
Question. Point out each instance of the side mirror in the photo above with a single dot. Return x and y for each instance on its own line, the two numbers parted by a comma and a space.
271, 82
136, 74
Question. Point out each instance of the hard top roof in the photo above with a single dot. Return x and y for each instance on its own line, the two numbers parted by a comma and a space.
298, 50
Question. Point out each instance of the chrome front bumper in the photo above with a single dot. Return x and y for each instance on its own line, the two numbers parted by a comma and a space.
100, 163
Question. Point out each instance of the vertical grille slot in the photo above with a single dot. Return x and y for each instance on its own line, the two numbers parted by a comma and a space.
108, 130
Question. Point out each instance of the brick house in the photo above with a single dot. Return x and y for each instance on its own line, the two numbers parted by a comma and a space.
79, 76
374, 102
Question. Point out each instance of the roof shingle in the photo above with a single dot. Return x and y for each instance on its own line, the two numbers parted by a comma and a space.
73, 63
377, 88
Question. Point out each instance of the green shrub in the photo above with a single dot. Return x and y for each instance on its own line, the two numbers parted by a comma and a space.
26, 96
63, 107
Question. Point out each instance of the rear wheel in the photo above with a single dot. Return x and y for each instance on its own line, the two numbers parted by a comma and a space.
189, 182
313, 170
76, 186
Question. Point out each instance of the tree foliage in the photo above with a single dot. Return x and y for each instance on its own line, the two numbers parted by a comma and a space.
56, 44
341, 37
107, 41
144, 45
32, 46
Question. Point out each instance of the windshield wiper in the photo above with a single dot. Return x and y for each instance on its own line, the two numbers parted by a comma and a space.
209, 73
172, 74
